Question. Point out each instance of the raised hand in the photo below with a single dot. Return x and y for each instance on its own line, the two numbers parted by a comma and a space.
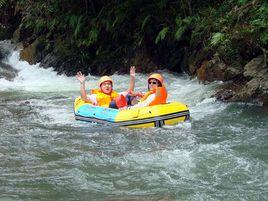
81, 77
132, 71
132, 78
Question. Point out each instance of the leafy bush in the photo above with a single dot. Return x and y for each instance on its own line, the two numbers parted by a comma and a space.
101, 31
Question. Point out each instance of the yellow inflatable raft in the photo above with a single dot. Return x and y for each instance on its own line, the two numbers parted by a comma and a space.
151, 116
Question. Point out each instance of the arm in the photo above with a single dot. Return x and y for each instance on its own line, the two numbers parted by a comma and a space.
81, 78
145, 102
132, 78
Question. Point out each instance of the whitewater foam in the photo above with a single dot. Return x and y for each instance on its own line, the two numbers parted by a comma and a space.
33, 78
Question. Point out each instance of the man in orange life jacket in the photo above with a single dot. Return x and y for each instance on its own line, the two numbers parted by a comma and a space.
157, 93
105, 94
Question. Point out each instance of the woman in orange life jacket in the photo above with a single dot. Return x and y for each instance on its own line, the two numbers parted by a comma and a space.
157, 93
105, 94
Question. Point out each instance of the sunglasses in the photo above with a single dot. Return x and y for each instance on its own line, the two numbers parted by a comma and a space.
152, 82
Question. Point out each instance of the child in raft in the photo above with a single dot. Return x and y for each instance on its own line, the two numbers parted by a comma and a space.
156, 94
105, 96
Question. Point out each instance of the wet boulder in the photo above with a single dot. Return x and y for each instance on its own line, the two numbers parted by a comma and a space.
212, 70
143, 62
69, 65
256, 88
34, 52
5, 32
249, 86
62, 65
217, 69
7, 72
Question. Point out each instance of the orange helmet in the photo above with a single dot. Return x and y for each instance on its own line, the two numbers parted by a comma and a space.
156, 76
104, 79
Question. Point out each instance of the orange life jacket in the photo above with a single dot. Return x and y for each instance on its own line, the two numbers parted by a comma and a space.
104, 99
160, 96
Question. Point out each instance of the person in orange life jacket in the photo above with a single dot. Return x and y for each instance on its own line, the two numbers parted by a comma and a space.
157, 93
104, 95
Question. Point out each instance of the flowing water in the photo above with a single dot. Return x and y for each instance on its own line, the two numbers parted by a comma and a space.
221, 154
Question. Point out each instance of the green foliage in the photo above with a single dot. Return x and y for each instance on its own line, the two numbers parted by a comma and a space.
237, 29
3, 2
217, 38
180, 32
99, 31
181, 26
161, 35
259, 24
242, 1
161, 4
76, 24
91, 39
145, 22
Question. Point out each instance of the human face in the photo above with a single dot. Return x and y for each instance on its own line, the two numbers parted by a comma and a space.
153, 83
106, 87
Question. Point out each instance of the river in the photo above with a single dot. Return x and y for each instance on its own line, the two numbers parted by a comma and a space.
220, 154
